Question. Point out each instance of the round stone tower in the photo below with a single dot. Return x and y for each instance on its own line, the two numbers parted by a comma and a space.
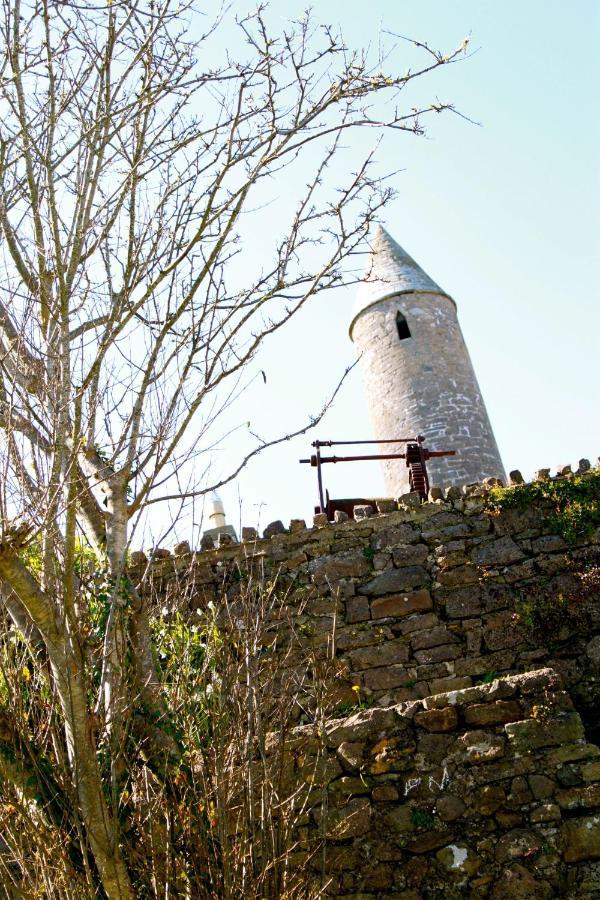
417, 371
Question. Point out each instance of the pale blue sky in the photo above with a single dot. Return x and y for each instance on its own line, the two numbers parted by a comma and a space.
504, 217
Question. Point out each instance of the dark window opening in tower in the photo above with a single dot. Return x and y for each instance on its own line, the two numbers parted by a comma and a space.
402, 326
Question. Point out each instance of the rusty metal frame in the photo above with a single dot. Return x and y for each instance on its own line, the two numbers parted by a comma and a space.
416, 456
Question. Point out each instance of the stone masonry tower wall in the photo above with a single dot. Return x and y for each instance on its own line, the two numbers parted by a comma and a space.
417, 371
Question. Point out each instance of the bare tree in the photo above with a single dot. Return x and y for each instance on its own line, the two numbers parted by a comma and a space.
128, 170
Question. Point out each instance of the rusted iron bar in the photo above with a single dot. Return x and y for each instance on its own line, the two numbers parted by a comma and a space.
336, 459
319, 460
418, 438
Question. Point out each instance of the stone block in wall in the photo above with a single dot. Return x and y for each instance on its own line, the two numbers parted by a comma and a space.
451, 532
474, 634
461, 603
449, 807
500, 552
410, 555
579, 798
502, 630
363, 511
541, 786
416, 622
548, 543
350, 754
394, 535
458, 576
531, 734
591, 771
499, 661
401, 605
528, 521
360, 725
434, 749
445, 719
357, 610
350, 821
552, 565
437, 654
395, 580
297, 526
449, 683
362, 635
478, 747
385, 654
488, 799
451, 554
532, 683
434, 670
497, 595
501, 689
386, 678
581, 838
345, 565
432, 637
498, 713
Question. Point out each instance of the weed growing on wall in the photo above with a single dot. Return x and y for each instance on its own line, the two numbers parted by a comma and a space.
422, 818
574, 502
546, 613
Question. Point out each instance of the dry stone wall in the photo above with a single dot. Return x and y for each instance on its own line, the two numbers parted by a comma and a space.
464, 646
490, 791
416, 601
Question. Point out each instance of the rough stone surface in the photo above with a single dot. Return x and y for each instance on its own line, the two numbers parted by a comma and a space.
529, 735
427, 378
350, 821
592, 649
182, 549
346, 565
410, 500
438, 719
160, 553
272, 528
497, 553
357, 610
138, 558
455, 756
582, 838
401, 604
394, 580
418, 784
297, 525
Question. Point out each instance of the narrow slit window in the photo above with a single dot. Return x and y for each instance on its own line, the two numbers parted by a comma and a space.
402, 326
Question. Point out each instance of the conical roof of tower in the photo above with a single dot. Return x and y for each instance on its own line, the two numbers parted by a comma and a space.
391, 270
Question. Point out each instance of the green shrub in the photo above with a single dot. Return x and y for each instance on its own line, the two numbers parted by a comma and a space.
422, 818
